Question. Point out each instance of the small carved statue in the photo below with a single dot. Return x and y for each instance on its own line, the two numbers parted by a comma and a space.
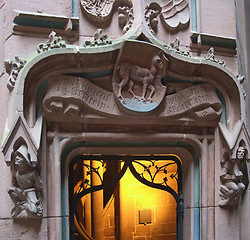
27, 187
232, 176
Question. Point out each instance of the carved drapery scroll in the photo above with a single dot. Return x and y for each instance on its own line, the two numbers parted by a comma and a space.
27, 185
231, 178
200, 101
67, 96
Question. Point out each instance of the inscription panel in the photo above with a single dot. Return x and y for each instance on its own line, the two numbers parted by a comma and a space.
68, 96
200, 99
65, 91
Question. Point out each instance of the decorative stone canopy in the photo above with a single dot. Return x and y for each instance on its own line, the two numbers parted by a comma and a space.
18, 135
138, 80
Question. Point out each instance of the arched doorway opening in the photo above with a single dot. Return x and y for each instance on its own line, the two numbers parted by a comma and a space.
126, 197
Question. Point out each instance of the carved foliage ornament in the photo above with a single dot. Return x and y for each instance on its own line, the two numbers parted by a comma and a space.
53, 42
13, 68
100, 39
211, 57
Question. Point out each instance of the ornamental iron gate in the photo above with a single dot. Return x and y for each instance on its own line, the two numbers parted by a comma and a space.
92, 173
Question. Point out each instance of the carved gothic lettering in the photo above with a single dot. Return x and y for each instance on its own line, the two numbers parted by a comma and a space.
200, 100
66, 95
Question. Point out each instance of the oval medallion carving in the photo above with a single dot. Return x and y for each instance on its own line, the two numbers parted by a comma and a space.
137, 76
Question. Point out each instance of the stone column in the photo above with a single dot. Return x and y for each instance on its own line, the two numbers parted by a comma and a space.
54, 190
97, 204
204, 188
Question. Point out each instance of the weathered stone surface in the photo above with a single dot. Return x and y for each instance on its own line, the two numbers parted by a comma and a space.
68, 88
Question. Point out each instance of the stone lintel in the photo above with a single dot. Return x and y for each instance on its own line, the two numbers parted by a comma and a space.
212, 40
37, 23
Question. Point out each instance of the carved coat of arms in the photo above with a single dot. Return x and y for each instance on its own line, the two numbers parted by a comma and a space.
137, 76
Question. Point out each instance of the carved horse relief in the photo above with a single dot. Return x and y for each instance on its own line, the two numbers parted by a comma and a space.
137, 77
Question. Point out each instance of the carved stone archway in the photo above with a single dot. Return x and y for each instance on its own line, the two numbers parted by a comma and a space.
129, 91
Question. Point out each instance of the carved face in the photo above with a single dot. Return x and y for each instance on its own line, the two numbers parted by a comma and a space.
240, 152
20, 161
157, 61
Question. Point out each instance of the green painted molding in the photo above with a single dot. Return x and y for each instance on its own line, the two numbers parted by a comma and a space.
213, 40
38, 23
60, 49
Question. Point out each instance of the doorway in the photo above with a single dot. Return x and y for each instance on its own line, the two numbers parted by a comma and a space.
126, 197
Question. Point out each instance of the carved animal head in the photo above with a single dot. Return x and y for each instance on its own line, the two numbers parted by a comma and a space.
156, 61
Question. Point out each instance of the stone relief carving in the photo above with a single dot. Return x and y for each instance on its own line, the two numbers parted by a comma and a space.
174, 14
27, 186
13, 68
137, 76
131, 73
98, 10
232, 186
66, 95
176, 44
211, 57
139, 84
53, 42
67, 98
198, 102
125, 17
151, 14
100, 39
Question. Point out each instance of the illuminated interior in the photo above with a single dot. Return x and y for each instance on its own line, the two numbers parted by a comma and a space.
129, 209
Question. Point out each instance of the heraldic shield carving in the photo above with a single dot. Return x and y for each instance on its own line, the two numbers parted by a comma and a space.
137, 76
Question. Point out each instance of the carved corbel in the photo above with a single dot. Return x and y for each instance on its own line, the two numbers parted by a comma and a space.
234, 174
20, 151
26, 191
13, 67
232, 178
